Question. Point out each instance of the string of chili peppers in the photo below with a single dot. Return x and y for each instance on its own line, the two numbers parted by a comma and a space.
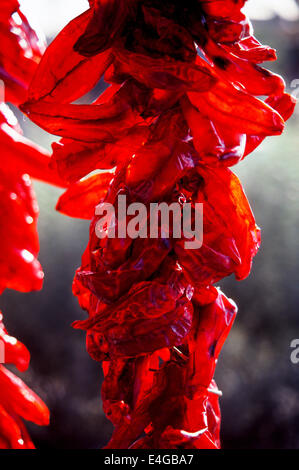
185, 102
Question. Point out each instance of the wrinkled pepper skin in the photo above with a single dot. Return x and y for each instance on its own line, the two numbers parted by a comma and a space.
183, 105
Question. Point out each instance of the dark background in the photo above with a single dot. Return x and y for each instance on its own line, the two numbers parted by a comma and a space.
260, 405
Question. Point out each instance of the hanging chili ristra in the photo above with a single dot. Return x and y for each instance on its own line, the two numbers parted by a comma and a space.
182, 107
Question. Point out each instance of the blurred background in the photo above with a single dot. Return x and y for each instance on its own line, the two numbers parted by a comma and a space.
260, 403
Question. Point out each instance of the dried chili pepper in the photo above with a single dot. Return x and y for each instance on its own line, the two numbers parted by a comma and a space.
17, 401
21, 50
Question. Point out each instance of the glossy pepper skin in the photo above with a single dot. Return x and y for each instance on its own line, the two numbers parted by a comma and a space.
184, 104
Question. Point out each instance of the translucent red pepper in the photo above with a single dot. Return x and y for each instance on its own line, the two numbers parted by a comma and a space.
17, 401
21, 50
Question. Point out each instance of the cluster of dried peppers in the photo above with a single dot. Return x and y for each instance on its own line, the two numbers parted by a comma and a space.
21, 50
181, 108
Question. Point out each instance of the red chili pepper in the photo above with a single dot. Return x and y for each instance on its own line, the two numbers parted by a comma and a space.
17, 401
21, 50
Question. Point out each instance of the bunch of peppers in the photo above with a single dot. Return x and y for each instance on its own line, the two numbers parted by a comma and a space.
186, 100
21, 50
